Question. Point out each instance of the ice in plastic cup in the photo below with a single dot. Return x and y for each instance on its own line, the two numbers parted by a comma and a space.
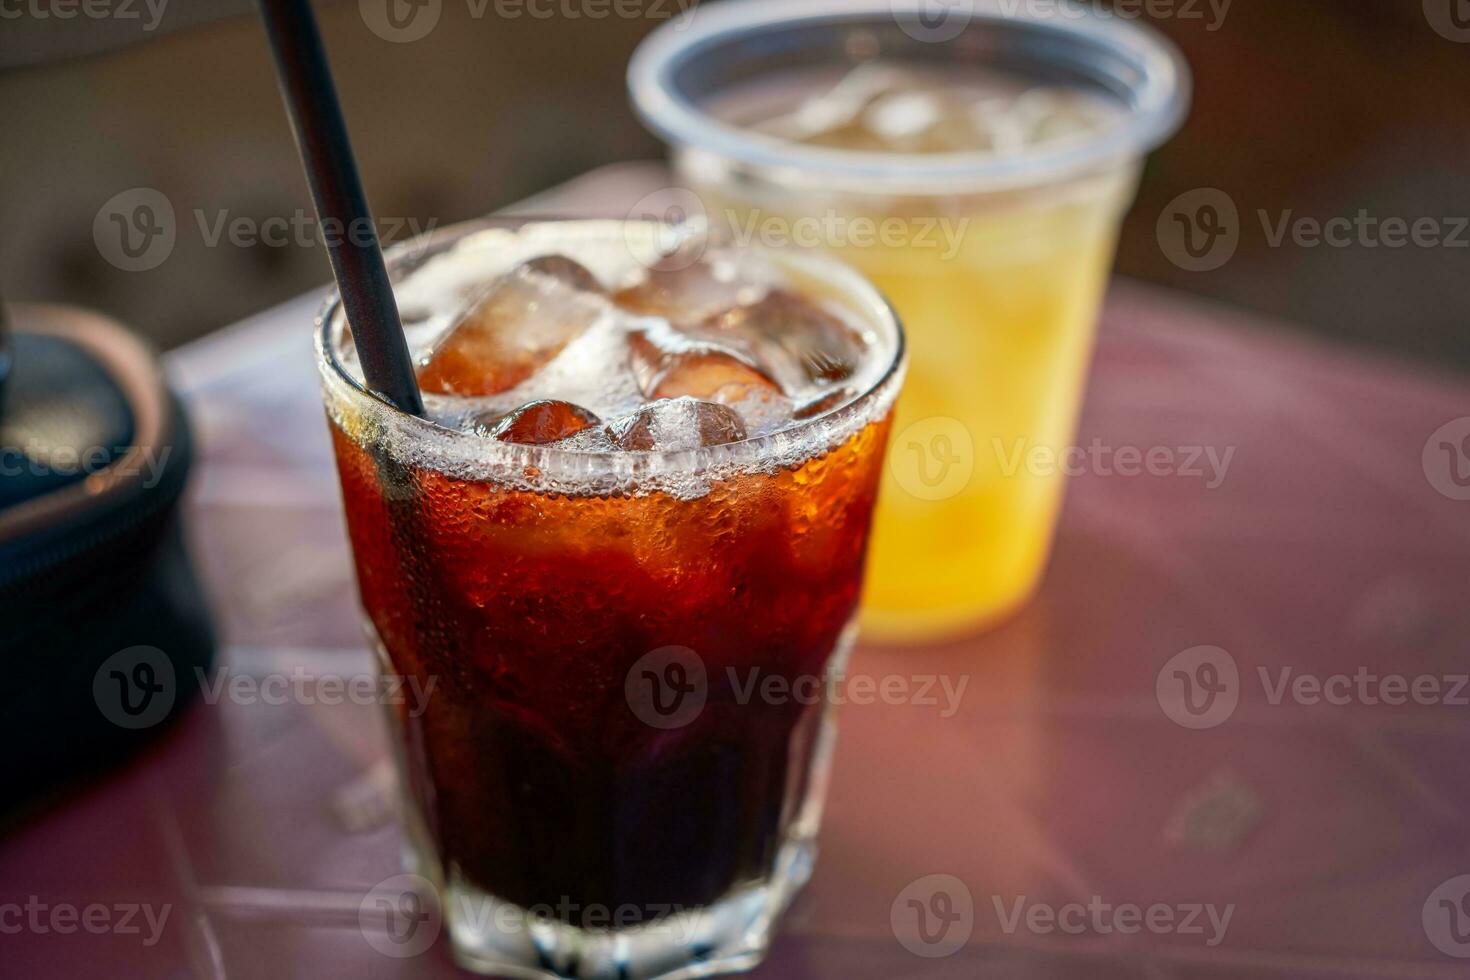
641, 500
973, 159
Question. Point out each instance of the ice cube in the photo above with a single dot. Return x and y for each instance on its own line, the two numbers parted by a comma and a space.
540, 422
845, 101
673, 424
1038, 116
1051, 114
823, 404
522, 321
826, 348
712, 375
1000, 131
922, 121
762, 410
568, 270
687, 293
884, 108
835, 117
670, 364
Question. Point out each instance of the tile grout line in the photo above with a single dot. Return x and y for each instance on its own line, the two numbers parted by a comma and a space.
1294, 964
205, 955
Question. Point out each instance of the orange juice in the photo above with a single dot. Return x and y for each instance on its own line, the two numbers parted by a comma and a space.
999, 300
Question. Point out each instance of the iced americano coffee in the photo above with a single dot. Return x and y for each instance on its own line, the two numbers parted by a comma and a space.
647, 476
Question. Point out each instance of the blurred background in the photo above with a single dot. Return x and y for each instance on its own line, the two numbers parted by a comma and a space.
1311, 109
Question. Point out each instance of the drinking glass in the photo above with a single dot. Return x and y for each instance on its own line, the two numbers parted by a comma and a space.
597, 785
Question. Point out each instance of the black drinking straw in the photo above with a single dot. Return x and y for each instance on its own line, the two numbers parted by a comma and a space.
341, 206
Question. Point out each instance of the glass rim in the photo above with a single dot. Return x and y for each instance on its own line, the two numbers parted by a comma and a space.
547, 468
1158, 81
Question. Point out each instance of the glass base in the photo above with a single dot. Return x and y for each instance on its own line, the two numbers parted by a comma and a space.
497, 938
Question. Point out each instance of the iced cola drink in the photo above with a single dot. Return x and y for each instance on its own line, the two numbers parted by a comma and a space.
974, 161
647, 478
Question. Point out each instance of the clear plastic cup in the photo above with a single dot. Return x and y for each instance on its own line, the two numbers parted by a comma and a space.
996, 262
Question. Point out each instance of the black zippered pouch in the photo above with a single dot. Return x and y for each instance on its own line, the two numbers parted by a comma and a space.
104, 620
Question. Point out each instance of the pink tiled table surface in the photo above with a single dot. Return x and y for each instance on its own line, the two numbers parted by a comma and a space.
1061, 781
